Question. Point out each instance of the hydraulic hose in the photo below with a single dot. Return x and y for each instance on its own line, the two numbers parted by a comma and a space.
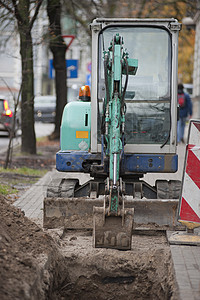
126, 81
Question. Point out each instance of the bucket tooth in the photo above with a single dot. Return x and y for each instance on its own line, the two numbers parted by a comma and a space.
113, 231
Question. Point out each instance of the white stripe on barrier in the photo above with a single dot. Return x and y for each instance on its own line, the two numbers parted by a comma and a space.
195, 134
189, 203
191, 194
196, 151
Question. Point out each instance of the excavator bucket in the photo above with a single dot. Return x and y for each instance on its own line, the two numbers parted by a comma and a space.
113, 231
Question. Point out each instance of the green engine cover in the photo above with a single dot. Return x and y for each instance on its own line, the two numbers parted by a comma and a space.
76, 126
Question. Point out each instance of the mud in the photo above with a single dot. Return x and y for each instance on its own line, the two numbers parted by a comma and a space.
38, 264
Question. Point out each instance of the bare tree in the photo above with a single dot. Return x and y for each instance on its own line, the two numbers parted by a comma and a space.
25, 12
58, 48
83, 12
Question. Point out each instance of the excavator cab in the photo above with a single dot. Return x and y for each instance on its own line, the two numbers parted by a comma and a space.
151, 95
125, 130
148, 93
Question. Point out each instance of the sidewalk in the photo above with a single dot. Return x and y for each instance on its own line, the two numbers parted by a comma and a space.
186, 259
31, 202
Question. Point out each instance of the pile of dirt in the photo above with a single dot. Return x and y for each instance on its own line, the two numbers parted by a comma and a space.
27, 256
47, 264
38, 264
35, 264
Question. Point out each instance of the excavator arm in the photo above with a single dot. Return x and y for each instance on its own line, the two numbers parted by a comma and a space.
115, 227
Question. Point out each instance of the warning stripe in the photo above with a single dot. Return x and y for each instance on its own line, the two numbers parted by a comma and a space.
190, 193
189, 208
187, 213
190, 146
196, 151
194, 134
193, 167
197, 125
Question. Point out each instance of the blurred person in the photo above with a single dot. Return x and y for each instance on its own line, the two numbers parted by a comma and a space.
185, 110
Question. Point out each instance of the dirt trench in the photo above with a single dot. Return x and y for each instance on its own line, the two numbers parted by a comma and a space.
38, 264
145, 272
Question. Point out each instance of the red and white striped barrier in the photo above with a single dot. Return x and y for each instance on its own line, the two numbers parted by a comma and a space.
189, 203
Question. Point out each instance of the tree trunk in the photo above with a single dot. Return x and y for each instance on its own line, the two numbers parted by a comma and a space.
27, 102
58, 48
25, 13
61, 87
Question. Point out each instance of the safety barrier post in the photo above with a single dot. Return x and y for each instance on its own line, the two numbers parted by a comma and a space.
189, 202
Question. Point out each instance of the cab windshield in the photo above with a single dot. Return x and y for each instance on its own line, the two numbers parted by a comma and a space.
147, 96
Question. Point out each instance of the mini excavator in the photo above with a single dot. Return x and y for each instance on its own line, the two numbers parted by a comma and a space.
127, 128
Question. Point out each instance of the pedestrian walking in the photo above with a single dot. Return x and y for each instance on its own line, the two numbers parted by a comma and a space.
185, 110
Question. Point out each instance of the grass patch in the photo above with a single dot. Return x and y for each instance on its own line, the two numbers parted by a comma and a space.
25, 171
8, 182
42, 139
7, 190
19, 154
45, 141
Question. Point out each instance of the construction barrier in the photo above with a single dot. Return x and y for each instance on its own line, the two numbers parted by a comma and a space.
189, 203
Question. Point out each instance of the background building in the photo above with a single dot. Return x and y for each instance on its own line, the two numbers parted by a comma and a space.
196, 72
10, 61
77, 55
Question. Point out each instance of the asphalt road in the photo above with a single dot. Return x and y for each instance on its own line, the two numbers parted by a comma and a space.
41, 129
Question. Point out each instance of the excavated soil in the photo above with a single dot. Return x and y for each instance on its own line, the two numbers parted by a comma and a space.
38, 264
145, 272
27, 255
47, 264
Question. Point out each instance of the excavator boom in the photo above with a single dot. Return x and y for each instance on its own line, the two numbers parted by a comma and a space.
112, 223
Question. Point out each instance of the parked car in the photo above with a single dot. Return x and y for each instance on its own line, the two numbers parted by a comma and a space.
6, 116
45, 108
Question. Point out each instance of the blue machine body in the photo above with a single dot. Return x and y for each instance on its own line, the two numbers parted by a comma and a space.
73, 161
75, 154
